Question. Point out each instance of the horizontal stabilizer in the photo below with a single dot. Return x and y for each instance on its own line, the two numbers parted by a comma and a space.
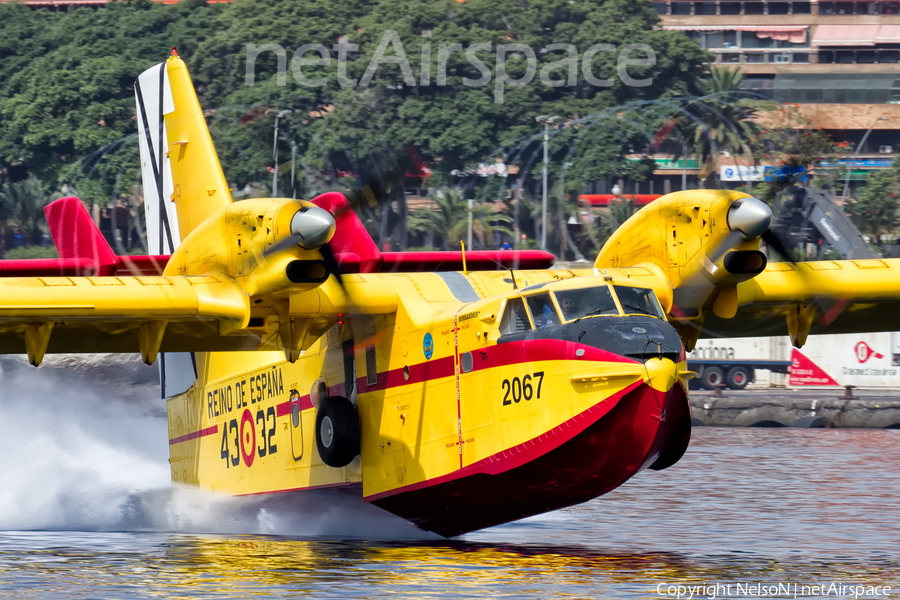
76, 236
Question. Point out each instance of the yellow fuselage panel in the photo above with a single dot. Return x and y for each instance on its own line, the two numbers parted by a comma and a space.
435, 392
254, 432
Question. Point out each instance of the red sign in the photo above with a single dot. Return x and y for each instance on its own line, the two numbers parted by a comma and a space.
864, 352
806, 372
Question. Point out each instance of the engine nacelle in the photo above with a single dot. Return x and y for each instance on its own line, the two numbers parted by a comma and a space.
703, 240
268, 246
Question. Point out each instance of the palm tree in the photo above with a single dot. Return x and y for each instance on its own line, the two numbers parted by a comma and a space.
449, 220
723, 120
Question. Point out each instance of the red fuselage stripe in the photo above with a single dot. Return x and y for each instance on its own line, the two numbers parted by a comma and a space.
490, 357
502, 355
194, 435
284, 408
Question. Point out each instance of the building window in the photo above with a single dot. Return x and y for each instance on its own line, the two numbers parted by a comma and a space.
730, 57
730, 8
751, 39
845, 8
754, 57
801, 57
661, 8
844, 57
720, 39
681, 8
779, 8
801, 8
704, 8
754, 8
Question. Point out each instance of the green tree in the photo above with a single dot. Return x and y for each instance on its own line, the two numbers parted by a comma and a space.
66, 85
875, 212
66, 90
21, 212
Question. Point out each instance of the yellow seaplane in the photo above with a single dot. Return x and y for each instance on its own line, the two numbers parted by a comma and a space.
296, 356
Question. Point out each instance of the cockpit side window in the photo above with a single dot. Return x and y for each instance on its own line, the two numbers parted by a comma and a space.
515, 319
584, 302
542, 310
636, 300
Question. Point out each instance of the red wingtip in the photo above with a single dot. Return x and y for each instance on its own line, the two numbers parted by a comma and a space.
174, 52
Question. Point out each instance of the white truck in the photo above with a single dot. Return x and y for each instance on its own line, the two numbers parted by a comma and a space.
870, 360
738, 362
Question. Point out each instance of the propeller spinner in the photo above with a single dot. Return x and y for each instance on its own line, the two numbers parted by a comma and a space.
311, 228
749, 216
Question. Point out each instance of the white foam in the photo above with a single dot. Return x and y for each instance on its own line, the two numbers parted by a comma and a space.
80, 455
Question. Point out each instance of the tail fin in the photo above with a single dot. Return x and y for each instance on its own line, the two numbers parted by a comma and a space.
76, 235
183, 180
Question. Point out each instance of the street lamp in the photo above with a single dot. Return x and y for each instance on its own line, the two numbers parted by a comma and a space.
856, 153
547, 121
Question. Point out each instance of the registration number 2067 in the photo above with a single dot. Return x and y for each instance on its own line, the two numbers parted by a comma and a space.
525, 388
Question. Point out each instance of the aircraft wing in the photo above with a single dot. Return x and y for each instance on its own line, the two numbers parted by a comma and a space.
122, 314
842, 296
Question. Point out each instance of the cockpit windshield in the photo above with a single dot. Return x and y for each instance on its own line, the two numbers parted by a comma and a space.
642, 301
576, 304
585, 302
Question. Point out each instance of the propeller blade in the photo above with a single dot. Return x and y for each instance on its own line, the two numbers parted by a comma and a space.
731, 240
775, 243
289, 242
331, 263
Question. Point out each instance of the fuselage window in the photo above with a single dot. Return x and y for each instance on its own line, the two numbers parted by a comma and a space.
468, 363
641, 301
515, 319
586, 302
542, 310
371, 367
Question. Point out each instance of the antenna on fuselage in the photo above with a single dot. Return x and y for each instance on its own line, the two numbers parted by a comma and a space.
513, 276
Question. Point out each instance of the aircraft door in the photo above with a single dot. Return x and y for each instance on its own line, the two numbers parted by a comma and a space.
296, 426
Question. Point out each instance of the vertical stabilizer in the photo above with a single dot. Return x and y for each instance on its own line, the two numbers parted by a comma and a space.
183, 180
154, 100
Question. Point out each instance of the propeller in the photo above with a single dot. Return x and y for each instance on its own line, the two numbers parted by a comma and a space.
312, 228
748, 219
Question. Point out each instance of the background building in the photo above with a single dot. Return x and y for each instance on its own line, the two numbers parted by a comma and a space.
839, 61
